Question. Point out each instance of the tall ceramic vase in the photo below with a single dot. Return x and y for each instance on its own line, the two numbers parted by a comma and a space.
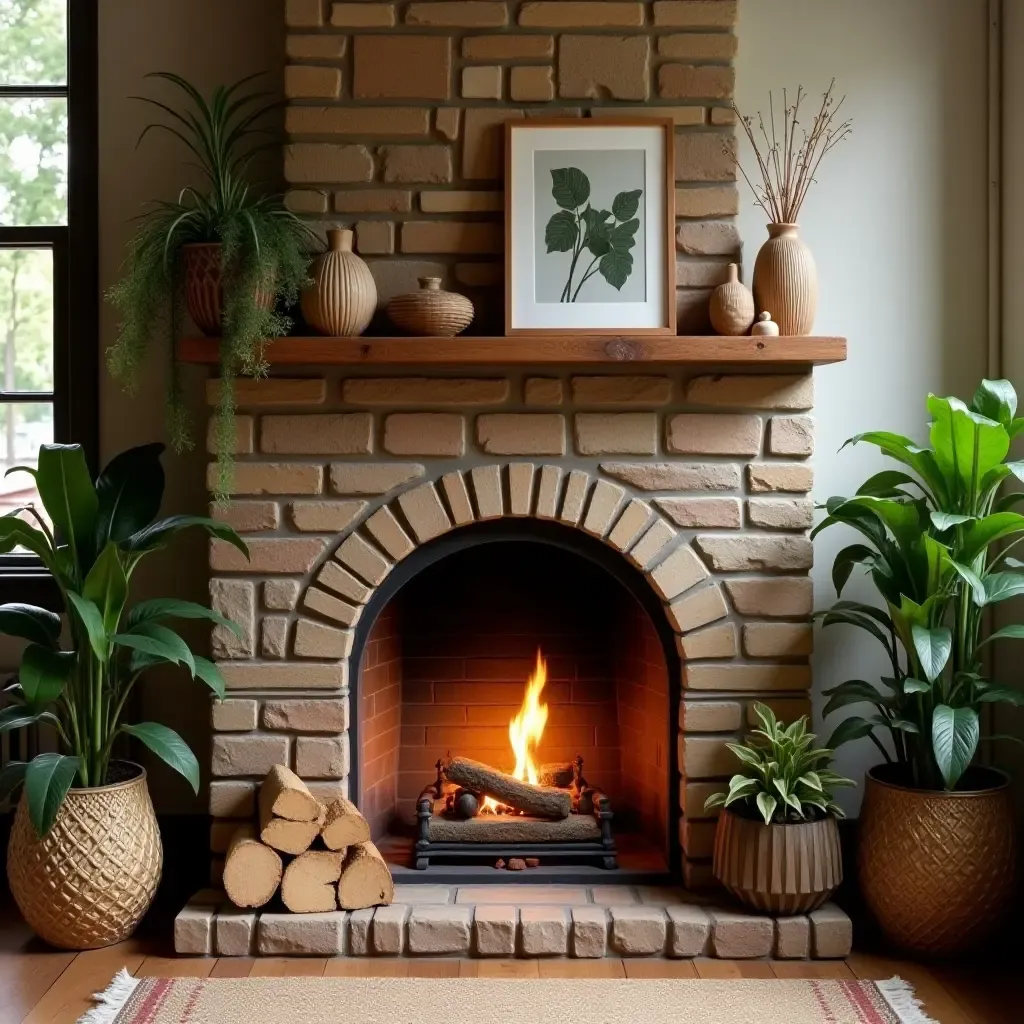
343, 297
786, 280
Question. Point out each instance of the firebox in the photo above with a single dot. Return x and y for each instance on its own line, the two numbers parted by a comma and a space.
512, 708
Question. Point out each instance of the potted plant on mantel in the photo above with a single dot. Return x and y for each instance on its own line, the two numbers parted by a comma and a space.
776, 843
85, 856
936, 851
226, 254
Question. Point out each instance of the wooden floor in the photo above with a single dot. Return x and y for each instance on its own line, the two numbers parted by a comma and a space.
41, 986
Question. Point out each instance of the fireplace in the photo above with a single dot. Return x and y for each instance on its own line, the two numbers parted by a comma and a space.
446, 650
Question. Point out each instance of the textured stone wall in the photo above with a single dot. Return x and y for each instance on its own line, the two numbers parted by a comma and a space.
700, 482
395, 111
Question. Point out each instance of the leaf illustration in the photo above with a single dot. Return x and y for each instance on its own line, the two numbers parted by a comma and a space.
615, 266
570, 187
621, 236
597, 230
560, 234
626, 203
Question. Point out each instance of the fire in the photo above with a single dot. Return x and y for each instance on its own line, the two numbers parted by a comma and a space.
527, 728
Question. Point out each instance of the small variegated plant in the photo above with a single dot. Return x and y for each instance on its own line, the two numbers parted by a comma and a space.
785, 777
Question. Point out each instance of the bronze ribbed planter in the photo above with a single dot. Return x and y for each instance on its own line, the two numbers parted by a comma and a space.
936, 869
89, 881
781, 869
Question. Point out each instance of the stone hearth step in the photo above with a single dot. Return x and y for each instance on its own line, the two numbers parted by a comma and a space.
517, 921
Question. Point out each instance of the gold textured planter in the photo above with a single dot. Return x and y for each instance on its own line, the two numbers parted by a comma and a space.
91, 879
936, 869
781, 869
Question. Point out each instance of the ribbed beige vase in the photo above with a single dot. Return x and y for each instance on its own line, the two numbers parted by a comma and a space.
343, 297
89, 881
782, 869
786, 280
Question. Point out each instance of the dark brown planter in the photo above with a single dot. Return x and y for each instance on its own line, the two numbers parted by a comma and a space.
782, 869
203, 292
937, 868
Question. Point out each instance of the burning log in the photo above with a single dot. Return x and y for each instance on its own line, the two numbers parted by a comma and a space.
309, 881
252, 871
544, 802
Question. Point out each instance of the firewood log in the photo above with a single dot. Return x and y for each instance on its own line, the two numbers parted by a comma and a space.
558, 774
288, 836
284, 795
252, 871
365, 879
481, 778
344, 825
309, 882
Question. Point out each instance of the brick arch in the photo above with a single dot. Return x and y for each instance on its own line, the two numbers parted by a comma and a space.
387, 534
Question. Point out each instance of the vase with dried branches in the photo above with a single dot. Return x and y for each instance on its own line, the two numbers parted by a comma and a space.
785, 277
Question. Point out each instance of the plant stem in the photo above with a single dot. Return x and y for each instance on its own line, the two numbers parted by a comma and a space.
587, 275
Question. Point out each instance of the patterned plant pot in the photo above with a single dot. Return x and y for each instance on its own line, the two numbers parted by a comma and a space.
204, 290
936, 869
90, 880
781, 869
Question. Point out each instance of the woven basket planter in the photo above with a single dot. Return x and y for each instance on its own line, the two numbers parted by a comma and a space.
204, 291
430, 311
781, 869
90, 880
937, 869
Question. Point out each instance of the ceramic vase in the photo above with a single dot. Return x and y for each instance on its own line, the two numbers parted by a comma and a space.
431, 311
786, 280
343, 297
732, 306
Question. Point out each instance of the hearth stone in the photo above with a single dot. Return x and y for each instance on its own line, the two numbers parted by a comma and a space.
518, 920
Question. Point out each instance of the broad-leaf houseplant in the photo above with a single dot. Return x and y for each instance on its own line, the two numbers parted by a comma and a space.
84, 858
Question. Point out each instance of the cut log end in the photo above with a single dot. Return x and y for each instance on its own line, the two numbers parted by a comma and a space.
309, 882
292, 837
343, 825
365, 879
284, 795
252, 871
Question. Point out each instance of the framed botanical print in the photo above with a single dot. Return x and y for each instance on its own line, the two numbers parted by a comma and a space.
589, 226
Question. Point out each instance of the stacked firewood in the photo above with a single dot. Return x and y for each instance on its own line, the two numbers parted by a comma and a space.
329, 859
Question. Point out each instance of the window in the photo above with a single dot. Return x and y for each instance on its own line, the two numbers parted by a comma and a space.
49, 287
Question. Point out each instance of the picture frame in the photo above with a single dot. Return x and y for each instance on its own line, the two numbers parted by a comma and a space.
605, 265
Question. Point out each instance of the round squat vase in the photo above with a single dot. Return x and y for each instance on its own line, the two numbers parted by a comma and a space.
732, 306
343, 297
778, 869
90, 880
937, 868
431, 311
786, 280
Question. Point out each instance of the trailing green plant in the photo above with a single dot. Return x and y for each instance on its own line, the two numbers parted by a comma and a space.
264, 259
930, 548
100, 533
784, 777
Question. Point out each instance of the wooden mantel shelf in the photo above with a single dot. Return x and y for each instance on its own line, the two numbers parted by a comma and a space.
534, 349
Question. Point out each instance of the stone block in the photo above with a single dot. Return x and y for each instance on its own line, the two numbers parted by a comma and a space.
706, 757
455, 491
531, 84
280, 595
314, 47
248, 516
305, 200
700, 273
786, 709
708, 238
331, 607
363, 559
388, 930
415, 895
425, 63
760, 391
778, 639
375, 237
421, 392
746, 677
483, 145
269, 391
494, 930
482, 82
326, 162
542, 391
362, 15
457, 201
621, 390
242, 435
311, 82
521, 433
831, 932
696, 81
544, 931
793, 937
520, 487
372, 478
781, 513
710, 716
675, 476
791, 435
316, 640
250, 675
325, 516
779, 476
715, 642
698, 46
322, 757
359, 924
689, 929
710, 513
652, 544
604, 503
555, 14
318, 934
193, 928
233, 715
576, 486
236, 601
232, 799
306, 715
710, 201
625, 433
508, 47
449, 236
271, 478
705, 156
234, 931
589, 932
679, 572
753, 553
783, 597
440, 930
417, 164
739, 936
638, 931
695, 13
425, 513
247, 755
598, 66
438, 434
697, 608
693, 796
487, 488
303, 13
548, 492
461, 14
714, 434
634, 518
374, 200
388, 533
342, 582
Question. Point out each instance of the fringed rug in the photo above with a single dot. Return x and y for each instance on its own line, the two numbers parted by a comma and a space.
131, 1000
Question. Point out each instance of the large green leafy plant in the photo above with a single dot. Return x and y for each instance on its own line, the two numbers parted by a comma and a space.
100, 533
930, 547
783, 775
263, 263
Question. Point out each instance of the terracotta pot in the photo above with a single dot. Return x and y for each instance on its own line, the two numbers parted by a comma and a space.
786, 280
89, 881
343, 297
732, 306
781, 869
936, 868
204, 292
431, 311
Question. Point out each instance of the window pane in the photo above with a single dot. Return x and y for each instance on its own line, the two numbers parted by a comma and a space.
26, 320
33, 161
24, 426
33, 42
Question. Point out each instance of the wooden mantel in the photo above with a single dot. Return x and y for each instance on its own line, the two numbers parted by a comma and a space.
535, 349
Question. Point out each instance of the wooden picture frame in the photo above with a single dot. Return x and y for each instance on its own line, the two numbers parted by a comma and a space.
615, 151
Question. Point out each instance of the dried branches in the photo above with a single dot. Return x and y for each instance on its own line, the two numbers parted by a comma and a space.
787, 166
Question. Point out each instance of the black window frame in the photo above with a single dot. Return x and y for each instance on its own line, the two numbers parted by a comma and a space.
76, 285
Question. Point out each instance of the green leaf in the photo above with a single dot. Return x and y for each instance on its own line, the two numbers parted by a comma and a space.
973, 579
943, 521
69, 497
966, 444
850, 556
173, 608
17, 716
208, 672
12, 775
43, 674
911, 685
713, 801
933, 647
169, 747
1002, 695
1013, 632
745, 754
886, 484
570, 187
625, 204
766, 804
47, 780
107, 586
978, 535
129, 491
155, 536
955, 733
849, 729
853, 691
92, 619
561, 232
37, 625
16, 532
1000, 586
622, 235
615, 266
997, 400
159, 642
